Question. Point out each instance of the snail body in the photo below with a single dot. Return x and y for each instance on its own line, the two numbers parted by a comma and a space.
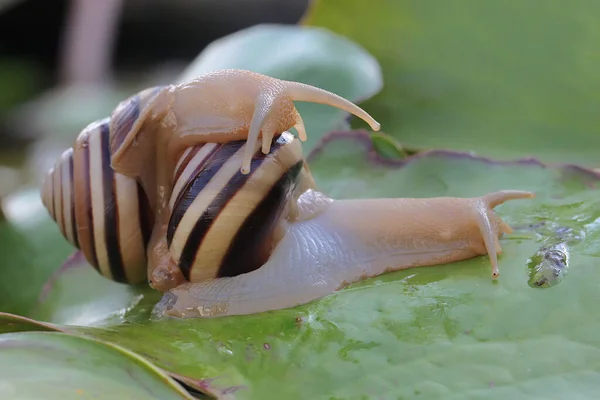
334, 243
233, 225
151, 129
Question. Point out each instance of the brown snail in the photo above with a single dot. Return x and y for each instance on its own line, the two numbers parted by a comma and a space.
235, 226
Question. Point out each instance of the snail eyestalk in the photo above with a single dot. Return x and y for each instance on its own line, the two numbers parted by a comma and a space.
274, 107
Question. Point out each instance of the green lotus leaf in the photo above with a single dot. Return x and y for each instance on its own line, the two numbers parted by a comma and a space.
78, 295
313, 56
53, 365
444, 331
503, 78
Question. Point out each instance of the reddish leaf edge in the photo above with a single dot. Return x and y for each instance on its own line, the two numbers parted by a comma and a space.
75, 260
363, 138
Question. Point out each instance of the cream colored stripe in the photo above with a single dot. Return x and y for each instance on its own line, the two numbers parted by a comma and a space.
66, 194
48, 193
203, 200
131, 241
198, 158
98, 206
214, 246
183, 156
59, 198
58, 195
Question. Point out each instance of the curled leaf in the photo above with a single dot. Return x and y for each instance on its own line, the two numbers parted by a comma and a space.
55, 365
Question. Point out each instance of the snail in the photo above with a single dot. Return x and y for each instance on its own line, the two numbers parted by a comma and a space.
235, 225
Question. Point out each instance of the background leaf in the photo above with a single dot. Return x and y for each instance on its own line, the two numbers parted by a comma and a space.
304, 54
506, 79
62, 366
445, 331
31, 247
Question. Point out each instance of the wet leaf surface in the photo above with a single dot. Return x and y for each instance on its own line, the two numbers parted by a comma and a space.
61, 366
445, 331
477, 78
503, 78
77, 295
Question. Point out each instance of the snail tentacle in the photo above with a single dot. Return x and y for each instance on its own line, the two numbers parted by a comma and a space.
298, 91
263, 109
490, 225
300, 127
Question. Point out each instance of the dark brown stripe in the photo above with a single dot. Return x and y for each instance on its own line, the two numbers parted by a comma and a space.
198, 180
145, 215
125, 116
212, 212
72, 185
53, 193
251, 246
62, 200
85, 148
111, 211
186, 161
122, 121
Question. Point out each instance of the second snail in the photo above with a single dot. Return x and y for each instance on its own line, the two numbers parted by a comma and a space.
201, 190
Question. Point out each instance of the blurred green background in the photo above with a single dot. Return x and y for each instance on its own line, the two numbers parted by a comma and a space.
510, 88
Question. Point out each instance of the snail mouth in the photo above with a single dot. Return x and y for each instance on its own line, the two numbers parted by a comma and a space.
166, 304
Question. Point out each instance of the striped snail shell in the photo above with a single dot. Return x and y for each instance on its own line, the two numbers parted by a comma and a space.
104, 214
223, 222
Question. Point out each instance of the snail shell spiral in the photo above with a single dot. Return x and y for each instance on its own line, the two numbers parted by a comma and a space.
104, 214
223, 222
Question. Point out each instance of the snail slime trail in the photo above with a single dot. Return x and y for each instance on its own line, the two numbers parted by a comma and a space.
227, 218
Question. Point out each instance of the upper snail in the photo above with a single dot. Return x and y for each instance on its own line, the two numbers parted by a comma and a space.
176, 187
221, 106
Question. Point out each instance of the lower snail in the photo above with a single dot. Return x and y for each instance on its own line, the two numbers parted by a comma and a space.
168, 189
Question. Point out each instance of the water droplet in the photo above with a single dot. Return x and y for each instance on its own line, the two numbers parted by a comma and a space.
548, 266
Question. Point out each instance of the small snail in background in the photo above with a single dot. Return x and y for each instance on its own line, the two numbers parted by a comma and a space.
176, 187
